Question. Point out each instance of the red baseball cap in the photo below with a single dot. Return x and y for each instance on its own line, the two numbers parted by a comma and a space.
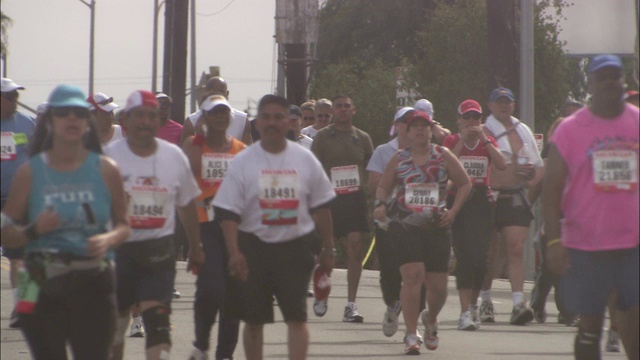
469, 105
419, 115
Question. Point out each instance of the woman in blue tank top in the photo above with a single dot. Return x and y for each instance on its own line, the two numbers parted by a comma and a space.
420, 224
67, 207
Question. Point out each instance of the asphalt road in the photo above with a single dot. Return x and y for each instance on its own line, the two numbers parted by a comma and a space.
333, 339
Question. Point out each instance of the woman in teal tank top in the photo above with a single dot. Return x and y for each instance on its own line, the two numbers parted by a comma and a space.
67, 207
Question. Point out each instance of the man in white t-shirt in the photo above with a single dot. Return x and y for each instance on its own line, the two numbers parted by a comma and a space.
145, 263
239, 127
267, 204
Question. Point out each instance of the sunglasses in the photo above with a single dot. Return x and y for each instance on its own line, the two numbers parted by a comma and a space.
65, 111
323, 116
11, 96
343, 105
472, 115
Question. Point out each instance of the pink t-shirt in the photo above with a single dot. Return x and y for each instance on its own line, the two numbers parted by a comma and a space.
600, 200
170, 132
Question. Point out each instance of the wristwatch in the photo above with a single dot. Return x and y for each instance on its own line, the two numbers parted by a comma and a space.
379, 202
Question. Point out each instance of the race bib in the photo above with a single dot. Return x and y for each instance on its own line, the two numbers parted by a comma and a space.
422, 197
615, 170
476, 167
8, 144
279, 196
148, 206
214, 167
345, 179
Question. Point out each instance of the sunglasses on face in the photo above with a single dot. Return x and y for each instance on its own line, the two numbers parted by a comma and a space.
11, 96
472, 115
323, 116
66, 111
343, 105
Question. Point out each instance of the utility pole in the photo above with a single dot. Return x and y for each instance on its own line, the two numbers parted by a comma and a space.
175, 56
503, 66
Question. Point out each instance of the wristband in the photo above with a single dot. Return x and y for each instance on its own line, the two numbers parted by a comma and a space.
553, 242
198, 140
30, 232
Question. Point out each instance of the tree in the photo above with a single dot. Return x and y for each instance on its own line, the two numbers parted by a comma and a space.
5, 22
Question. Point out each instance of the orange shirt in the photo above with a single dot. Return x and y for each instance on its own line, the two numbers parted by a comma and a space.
214, 166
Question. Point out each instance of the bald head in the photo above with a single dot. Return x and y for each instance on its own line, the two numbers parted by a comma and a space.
217, 86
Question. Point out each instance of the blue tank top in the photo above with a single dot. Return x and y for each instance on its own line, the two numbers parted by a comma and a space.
17, 131
81, 199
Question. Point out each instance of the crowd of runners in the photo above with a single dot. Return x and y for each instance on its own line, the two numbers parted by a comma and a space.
97, 199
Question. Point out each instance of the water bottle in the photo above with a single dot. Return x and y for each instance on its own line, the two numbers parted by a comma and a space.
321, 283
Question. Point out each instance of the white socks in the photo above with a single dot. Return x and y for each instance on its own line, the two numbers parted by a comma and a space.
485, 295
517, 298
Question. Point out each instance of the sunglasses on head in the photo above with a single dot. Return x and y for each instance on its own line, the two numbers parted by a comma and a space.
65, 111
10, 95
472, 115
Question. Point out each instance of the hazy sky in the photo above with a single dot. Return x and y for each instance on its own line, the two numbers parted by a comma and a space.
49, 45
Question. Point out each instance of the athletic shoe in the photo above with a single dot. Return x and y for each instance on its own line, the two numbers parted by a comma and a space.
430, 331
137, 328
176, 294
390, 320
320, 307
473, 309
351, 314
412, 344
14, 321
574, 321
540, 316
487, 314
613, 342
197, 354
562, 319
466, 321
309, 293
521, 314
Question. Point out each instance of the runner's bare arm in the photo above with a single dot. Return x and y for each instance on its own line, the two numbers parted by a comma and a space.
187, 130
246, 133
552, 190
324, 226
189, 217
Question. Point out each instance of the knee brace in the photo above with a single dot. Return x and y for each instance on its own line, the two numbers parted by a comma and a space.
587, 345
156, 323
121, 329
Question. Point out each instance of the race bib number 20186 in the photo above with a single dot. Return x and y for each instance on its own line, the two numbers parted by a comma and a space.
420, 197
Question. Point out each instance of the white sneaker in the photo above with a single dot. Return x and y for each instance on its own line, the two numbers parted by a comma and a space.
613, 341
473, 309
137, 327
412, 344
390, 320
320, 307
431, 339
197, 354
466, 322
351, 314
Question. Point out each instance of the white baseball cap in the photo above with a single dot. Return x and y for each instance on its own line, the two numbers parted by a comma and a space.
213, 101
9, 85
101, 102
424, 105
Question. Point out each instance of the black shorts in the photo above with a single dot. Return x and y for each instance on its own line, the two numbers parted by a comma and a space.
512, 209
431, 247
145, 270
349, 214
282, 270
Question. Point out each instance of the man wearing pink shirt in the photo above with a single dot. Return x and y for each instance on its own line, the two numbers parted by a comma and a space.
592, 179
170, 130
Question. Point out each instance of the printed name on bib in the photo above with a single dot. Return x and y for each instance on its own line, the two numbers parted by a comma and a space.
214, 167
476, 167
345, 179
422, 197
148, 206
279, 196
615, 170
8, 144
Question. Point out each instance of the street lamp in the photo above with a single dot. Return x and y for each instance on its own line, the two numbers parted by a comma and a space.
92, 7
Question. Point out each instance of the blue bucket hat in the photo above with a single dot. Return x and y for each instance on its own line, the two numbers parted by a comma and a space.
66, 96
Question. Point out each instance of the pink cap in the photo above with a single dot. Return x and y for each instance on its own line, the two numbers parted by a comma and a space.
469, 105
140, 98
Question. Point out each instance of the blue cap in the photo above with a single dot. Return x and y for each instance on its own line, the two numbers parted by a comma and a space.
602, 61
67, 95
501, 92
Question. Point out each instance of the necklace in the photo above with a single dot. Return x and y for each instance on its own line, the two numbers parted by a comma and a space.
274, 176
